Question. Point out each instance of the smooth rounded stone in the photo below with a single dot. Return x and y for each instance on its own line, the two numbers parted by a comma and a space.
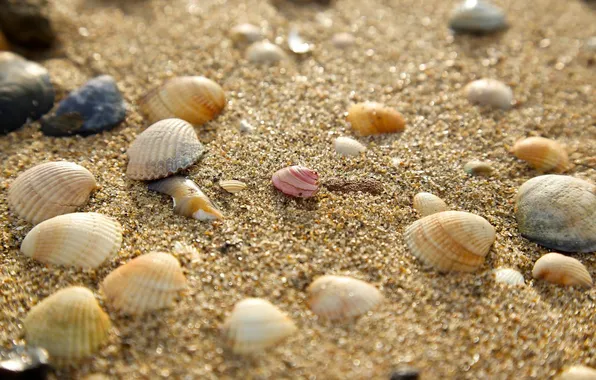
343, 40
26, 92
26, 22
95, 107
477, 16
244, 34
24, 362
489, 92
478, 168
264, 52
405, 373
558, 212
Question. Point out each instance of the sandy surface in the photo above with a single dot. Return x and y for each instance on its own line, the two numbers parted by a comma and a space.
449, 326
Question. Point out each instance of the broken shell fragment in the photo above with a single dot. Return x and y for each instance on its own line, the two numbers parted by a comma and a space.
188, 199
427, 204
542, 154
254, 325
50, 189
69, 324
341, 297
81, 239
477, 16
297, 44
195, 99
297, 181
561, 270
480, 168
348, 147
163, 149
371, 118
148, 282
232, 186
264, 52
577, 372
508, 276
489, 92
244, 34
451, 240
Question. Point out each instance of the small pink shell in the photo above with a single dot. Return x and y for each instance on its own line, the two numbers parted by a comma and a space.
296, 181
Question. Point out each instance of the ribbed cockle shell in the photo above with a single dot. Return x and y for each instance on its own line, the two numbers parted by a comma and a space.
232, 186
371, 118
562, 270
542, 154
508, 276
296, 181
427, 204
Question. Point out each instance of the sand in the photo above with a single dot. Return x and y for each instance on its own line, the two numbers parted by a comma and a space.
453, 326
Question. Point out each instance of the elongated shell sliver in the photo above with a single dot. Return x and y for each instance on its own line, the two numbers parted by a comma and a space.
188, 199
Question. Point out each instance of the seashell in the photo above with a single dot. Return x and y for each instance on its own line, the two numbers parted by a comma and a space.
246, 127
562, 270
340, 297
297, 44
348, 147
264, 52
188, 199
542, 154
194, 99
50, 189
24, 362
254, 325
244, 34
163, 149
481, 168
98, 105
477, 16
296, 181
451, 240
427, 204
81, 239
27, 22
69, 324
343, 40
558, 212
365, 185
373, 118
508, 276
577, 372
148, 282
489, 92
26, 92
232, 186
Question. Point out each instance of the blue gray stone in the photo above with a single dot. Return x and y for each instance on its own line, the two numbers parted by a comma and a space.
477, 16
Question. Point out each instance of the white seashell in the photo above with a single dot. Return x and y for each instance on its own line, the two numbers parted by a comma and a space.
340, 297
562, 270
489, 92
246, 127
508, 276
264, 52
427, 204
348, 147
296, 43
83, 240
232, 186
244, 34
254, 325
577, 372
343, 40
477, 16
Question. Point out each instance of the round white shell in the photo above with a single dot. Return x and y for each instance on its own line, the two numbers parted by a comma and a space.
508, 276
348, 147
489, 92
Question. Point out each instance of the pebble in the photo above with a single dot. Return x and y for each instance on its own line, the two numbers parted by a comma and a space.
405, 373
479, 168
477, 16
264, 52
244, 34
489, 92
95, 107
343, 40
365, 185
24, 362
26, 22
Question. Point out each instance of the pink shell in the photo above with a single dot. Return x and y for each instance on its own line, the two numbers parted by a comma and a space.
296, 181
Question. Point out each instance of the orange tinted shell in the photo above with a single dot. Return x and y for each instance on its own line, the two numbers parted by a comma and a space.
374, 118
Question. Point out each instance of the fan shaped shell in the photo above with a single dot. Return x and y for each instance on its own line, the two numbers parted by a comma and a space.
542, 154
427, 204
232, 186
508, 276
562, 270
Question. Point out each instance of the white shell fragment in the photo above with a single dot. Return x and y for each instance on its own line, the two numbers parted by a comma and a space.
508, 276
264, 52
489, 92
244, 34
232, 186
341, 297
254, 325
562, 270
246, 127
477, 16
577, 372
427, 204
347, 146
296, 43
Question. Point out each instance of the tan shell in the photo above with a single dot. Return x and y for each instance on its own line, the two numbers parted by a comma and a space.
373, 118
451, 240
427, 204
148, 282
542, 154
50, 189
232, 186
81, 239
562, 270
163, 149
69, 324
577, 372
341, 297
194, 99
254, 325
508, 276
476, 167
264, 52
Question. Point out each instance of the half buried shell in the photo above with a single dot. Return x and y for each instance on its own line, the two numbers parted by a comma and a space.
427, 204
542, 154
371, 118
562, 270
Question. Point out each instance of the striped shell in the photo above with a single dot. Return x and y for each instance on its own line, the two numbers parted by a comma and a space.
542, 154
451, 240
297, 181
577, 372
255, 325
348, 147
480, 168
69, 324
562, 270
427, 204
188, 199
373, 118
148, 282
508, 276
50, 189
232, 186
194, 99
340, 297
264, 52
489, 92
163, 149
82, 240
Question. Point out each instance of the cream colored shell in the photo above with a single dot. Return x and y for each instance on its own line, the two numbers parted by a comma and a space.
451, 240
577, 372
82, 240
341, 297
371, 118
264, 52
50, 189
347, 146
508, 276
243, 34
69, 324
148, 282
542, 154
232, 186
489, 92
427, 204
562, 270
481, 168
